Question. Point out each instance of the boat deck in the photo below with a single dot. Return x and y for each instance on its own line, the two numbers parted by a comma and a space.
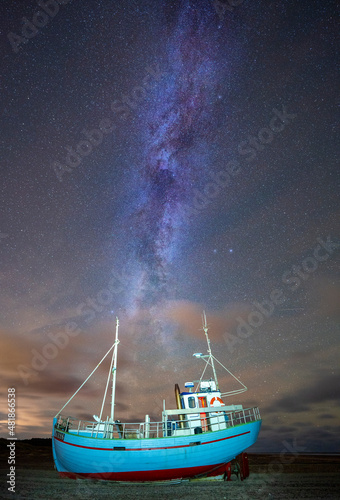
188, 422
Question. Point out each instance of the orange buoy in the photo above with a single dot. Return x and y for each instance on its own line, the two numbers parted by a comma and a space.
216, 399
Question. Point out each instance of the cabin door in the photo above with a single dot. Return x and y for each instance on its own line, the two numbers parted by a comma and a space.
202, 403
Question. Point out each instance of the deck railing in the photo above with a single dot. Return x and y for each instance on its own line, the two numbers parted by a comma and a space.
213, 418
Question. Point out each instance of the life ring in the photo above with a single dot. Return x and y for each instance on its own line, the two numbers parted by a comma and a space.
216, 399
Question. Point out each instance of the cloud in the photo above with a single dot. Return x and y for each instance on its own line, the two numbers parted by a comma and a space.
327, 296
308, 438
188, 318
327, 388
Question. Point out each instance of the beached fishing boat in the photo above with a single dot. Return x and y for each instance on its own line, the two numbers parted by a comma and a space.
198, 439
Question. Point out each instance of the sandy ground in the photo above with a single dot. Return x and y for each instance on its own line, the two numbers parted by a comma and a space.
303, 477
36, 484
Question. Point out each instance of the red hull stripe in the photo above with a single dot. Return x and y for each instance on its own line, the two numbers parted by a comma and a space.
148, 449
152, 475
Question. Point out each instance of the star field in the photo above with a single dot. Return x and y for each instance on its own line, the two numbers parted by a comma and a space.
161, 158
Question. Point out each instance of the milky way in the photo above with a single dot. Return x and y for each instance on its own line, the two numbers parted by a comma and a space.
176, 128
112, 235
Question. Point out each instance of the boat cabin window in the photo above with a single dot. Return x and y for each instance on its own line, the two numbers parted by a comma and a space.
192, 402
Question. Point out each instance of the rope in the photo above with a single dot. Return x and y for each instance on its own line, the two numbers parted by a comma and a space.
100, 362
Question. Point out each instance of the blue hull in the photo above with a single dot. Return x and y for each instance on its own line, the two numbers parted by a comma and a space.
153, 459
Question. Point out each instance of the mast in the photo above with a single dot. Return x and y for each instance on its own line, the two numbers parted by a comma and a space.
210, 360
211, 357
114, 372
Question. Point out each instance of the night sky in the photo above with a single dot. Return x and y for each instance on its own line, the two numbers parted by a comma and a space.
159, 158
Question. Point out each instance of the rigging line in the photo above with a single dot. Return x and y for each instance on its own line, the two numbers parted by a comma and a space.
206, 365
107, 385
100, 362
230, 373
232, 393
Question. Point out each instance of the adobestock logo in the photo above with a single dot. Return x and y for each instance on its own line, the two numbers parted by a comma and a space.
122, 108
266, 135
310, 264
292, 278
40, 18
268, 475
249, 149
50, 351
60, 340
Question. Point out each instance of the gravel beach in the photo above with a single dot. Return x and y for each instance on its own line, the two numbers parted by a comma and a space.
43, 484
304, 477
